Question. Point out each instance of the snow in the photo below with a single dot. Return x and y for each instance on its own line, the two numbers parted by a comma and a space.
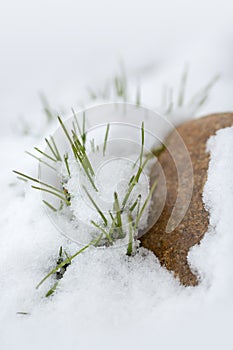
216, 246
119, 300
107, 300
112, 175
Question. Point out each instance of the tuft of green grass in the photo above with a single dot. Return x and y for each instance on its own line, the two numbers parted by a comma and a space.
112, 226
79, 151
197, 101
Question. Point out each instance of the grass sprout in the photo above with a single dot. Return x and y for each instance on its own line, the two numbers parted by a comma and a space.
41, 160
27, 177
118, 221
53, 193
66, 157
169, 104
183, 84
53, 148
106, 139
96, 207
131, 238
49, 205
68, 260
137, 201
108, 236
145, 203
201, 96
82, 131
45, 154
46, 107
79, 152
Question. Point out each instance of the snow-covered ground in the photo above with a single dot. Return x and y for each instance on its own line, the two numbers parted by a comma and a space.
107, 300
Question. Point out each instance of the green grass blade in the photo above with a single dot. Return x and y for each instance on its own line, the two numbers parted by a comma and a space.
83, 136
135, 203
142, 143
41, 161
182, 87
55, 148
63, 263
51, 192
37, 181
105, 139
46, 107
66, 163
68, 137
45, 154
96, 206
130, 244
68, 260
52, 290
102, 230
49, 205
118, 214
145, 203
51, 148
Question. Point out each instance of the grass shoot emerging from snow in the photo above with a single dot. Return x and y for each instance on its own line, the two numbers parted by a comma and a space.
109, 228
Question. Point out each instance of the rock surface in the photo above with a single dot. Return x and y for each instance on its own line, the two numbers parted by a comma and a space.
172, 248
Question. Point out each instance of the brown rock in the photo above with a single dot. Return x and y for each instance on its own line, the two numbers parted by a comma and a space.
172, 248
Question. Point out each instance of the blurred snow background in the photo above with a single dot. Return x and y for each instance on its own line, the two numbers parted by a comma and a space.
60, 48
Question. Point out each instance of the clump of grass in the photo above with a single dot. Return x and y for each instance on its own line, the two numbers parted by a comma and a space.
170, 103
118, 88
110, 227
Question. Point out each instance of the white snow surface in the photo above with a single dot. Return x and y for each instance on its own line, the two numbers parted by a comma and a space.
106, 300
